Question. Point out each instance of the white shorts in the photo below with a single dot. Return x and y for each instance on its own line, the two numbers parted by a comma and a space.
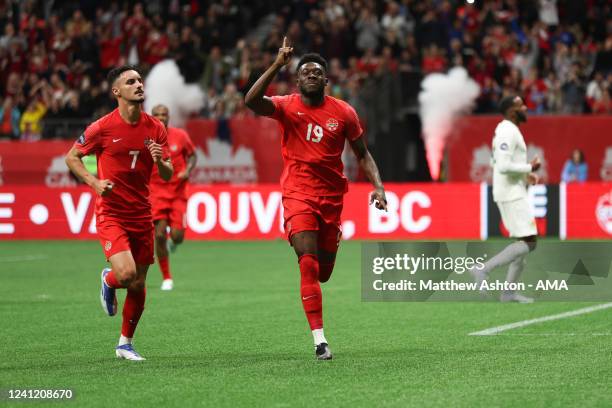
518, 218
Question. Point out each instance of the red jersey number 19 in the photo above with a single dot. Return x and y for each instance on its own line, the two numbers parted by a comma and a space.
134, 153
318, 133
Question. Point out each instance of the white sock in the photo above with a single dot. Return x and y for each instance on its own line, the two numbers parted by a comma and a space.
318, 336
514, 271
513, 251
124, 340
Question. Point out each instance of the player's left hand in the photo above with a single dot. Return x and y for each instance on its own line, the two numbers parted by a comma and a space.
533, 179
378, 198
183, 175
156, 151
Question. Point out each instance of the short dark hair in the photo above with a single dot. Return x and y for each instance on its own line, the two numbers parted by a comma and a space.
116, 73
312, 57
506, 103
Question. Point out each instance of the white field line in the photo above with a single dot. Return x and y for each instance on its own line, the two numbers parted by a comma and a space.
496, 330
23, 258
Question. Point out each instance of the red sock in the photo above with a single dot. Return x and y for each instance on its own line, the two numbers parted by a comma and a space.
111, 280
325, 271
311, 291
165, 267
132, 310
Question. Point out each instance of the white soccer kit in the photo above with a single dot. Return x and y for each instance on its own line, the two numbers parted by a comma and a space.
510, 170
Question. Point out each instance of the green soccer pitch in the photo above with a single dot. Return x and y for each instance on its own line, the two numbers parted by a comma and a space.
232, 334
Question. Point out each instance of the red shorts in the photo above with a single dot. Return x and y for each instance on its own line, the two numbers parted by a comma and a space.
310, 213
136, 237
170, 209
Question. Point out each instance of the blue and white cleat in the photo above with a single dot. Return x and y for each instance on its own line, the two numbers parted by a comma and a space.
108, 298
127, 352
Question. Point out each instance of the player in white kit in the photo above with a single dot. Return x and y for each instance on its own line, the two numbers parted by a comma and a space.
511, 175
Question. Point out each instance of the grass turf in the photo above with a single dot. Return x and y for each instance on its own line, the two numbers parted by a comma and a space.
232, 333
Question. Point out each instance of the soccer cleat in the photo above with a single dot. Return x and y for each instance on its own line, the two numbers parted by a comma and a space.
127, 352
515, 297
167, 284
322, 352
108, 298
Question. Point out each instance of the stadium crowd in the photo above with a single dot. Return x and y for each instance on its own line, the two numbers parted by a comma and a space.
54, 55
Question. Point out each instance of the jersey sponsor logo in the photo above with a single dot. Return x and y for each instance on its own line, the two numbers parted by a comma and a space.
220, 164
603, 212
81, 139
332, 124
58, 174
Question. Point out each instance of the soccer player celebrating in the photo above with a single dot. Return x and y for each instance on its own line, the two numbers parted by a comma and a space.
127, 143
511, 174
169, 199
314, 129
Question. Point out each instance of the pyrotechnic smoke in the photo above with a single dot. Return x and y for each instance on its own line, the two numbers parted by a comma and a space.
166, 85
443, 98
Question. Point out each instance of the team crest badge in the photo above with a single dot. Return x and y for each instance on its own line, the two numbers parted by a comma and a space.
107, 246
174, 148
332, 124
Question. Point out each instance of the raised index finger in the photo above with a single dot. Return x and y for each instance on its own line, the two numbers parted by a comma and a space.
284, 41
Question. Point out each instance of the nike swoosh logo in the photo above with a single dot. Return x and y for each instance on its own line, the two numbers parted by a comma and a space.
116, 140
308, 297
300, 113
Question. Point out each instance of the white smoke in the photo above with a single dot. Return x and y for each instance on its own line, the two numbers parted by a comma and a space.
165, 85
443, 98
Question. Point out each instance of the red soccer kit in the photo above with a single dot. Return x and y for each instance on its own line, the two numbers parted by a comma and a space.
169, 198
312, 181
123, 216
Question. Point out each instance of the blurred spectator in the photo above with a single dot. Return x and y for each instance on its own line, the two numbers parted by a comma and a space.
597, 94
548, 12
368, 30
544, 50
30, 124
9, 120
573, 91
575, 168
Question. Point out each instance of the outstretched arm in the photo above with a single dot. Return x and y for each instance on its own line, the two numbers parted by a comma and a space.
255, 98
367, 163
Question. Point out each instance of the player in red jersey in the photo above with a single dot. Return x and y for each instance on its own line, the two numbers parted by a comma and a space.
314, 129
127, 143
169, 199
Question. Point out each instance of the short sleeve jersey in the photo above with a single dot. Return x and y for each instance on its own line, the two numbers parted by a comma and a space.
180, 147
125, 160
313, 138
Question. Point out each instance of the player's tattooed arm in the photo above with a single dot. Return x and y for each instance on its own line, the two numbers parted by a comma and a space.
74, 161
367, 163
255, 99
163, 165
